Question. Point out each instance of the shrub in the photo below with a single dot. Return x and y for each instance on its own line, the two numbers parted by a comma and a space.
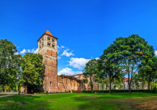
78, 91
107, 91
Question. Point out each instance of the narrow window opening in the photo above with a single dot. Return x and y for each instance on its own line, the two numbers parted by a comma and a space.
50, 84
53, 45
48, 44
48, 38
52, 40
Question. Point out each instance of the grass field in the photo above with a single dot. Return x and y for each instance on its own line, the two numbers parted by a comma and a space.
2, 94
81, 101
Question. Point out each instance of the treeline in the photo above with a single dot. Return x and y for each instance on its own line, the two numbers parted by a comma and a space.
17, 70
131, 56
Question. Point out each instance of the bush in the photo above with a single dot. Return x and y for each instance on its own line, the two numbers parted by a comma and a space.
73, 91
107, 91
78, 91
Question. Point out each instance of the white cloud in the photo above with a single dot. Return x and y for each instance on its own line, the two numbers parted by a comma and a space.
66, 53
29, 50
97, 58
155, 52
68, 71
32, 50
36, 51
59, 57
16, 53
78, 62
23, 51
62, 46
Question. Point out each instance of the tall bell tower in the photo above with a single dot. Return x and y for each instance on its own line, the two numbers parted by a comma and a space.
47, 47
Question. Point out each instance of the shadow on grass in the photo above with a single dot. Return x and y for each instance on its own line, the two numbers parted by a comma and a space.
23, 102
114, 101
94, 103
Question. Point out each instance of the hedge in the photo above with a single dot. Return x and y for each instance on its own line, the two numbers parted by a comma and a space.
107, 91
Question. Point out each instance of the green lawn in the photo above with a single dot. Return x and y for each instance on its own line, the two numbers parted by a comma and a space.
81, 101
2, 94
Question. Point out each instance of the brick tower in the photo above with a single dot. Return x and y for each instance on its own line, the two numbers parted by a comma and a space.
47, 47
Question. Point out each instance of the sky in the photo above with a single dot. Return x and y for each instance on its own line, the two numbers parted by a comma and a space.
84, 28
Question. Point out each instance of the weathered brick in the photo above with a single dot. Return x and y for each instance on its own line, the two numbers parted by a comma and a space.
50, 52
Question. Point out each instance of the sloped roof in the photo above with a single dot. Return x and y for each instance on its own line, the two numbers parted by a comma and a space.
48, 33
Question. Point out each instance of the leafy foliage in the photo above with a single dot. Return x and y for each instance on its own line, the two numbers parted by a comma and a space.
90, 70
32, 70
8, 65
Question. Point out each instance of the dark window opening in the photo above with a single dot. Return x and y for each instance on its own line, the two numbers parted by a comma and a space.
53, 45
50, 84
48, 38
48, 44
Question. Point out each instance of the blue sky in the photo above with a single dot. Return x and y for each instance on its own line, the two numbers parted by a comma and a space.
84, 28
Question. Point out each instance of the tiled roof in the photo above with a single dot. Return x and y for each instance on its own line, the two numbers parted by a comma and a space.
126, 79
48, 32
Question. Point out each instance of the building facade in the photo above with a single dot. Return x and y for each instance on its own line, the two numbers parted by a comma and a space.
47, 47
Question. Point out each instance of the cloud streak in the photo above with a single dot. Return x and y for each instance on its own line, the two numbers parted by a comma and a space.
78, 63
68, 71
66, 53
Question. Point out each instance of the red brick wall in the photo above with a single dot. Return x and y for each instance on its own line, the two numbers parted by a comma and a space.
49, 52
42, 52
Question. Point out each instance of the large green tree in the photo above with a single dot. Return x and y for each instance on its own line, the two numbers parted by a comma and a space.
90, 71
109, 64
131, 51
149, 66
32, 70
7, 62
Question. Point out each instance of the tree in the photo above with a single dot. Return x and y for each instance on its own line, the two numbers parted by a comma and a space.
7, 63
131, 50
106, 82
149, 64
90, 70
32, 70
109, 64
118, 83
139, 78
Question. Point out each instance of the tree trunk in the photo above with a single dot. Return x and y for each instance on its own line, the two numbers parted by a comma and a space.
129, 83
148, 85
19, 89
106, 86
91, 83
143, 85
110, 87
92, 87
9, 88
129, 89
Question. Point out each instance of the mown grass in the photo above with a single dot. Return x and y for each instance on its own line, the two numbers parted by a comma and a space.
81, 101
2, 94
